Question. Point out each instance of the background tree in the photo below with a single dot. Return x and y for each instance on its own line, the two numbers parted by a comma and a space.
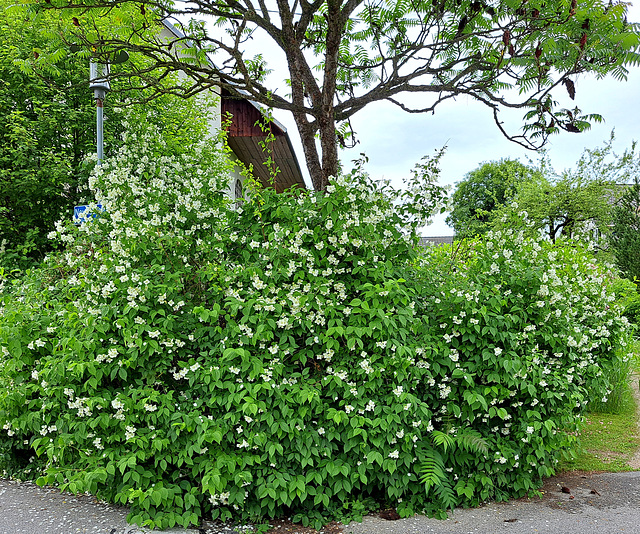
345, 54
484, 189
577, 202
47, 132
569, 207
625, 232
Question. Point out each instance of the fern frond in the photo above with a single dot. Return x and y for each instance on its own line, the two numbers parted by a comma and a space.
472, 441
432, 473
446, 494
442, 440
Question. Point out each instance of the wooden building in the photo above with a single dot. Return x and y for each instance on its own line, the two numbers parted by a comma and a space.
246, 138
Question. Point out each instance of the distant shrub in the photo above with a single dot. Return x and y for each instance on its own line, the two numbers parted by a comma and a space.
628, 297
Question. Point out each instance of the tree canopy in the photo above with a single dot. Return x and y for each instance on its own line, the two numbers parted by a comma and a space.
575, 203
483, 190
625, 232
342, 55
46, 131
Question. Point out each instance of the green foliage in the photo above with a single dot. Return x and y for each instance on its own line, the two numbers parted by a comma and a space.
632, 311
294, 356
481, 191
625, 233
45, 134
577, 203
628, 297
515, 319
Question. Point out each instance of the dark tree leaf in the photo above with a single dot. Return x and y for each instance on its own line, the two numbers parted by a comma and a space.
583, 41
571, 88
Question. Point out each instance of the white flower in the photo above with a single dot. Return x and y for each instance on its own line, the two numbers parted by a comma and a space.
130, 432
394, 454
177, 375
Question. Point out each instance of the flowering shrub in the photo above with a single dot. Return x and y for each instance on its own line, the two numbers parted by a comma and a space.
293, 356
527, 333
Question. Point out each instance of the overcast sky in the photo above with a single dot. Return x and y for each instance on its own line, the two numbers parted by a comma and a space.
395, 141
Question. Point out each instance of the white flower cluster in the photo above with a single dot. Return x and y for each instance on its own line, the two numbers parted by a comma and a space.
219, 499
80, 404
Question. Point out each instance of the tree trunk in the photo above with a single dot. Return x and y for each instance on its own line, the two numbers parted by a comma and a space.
303, 86
329, 148
308, 138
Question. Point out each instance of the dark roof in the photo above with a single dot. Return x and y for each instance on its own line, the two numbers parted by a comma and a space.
244, 138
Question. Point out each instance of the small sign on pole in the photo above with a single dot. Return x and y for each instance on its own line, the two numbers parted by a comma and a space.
84, 213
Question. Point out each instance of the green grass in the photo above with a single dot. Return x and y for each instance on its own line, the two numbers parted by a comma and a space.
611, 435
607, 443
608, 440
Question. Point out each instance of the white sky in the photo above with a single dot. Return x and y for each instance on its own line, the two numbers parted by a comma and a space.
395, 141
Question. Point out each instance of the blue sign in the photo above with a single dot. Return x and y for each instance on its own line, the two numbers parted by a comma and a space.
82, 213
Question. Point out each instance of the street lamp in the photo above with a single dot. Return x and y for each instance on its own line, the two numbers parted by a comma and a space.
99, 82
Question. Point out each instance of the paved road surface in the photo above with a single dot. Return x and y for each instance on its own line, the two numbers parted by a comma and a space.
598, 504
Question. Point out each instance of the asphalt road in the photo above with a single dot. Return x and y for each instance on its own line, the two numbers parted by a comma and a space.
598, 504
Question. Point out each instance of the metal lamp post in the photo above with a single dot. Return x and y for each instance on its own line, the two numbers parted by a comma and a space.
99, 82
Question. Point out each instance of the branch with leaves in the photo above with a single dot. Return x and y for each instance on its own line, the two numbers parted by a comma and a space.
343, 55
